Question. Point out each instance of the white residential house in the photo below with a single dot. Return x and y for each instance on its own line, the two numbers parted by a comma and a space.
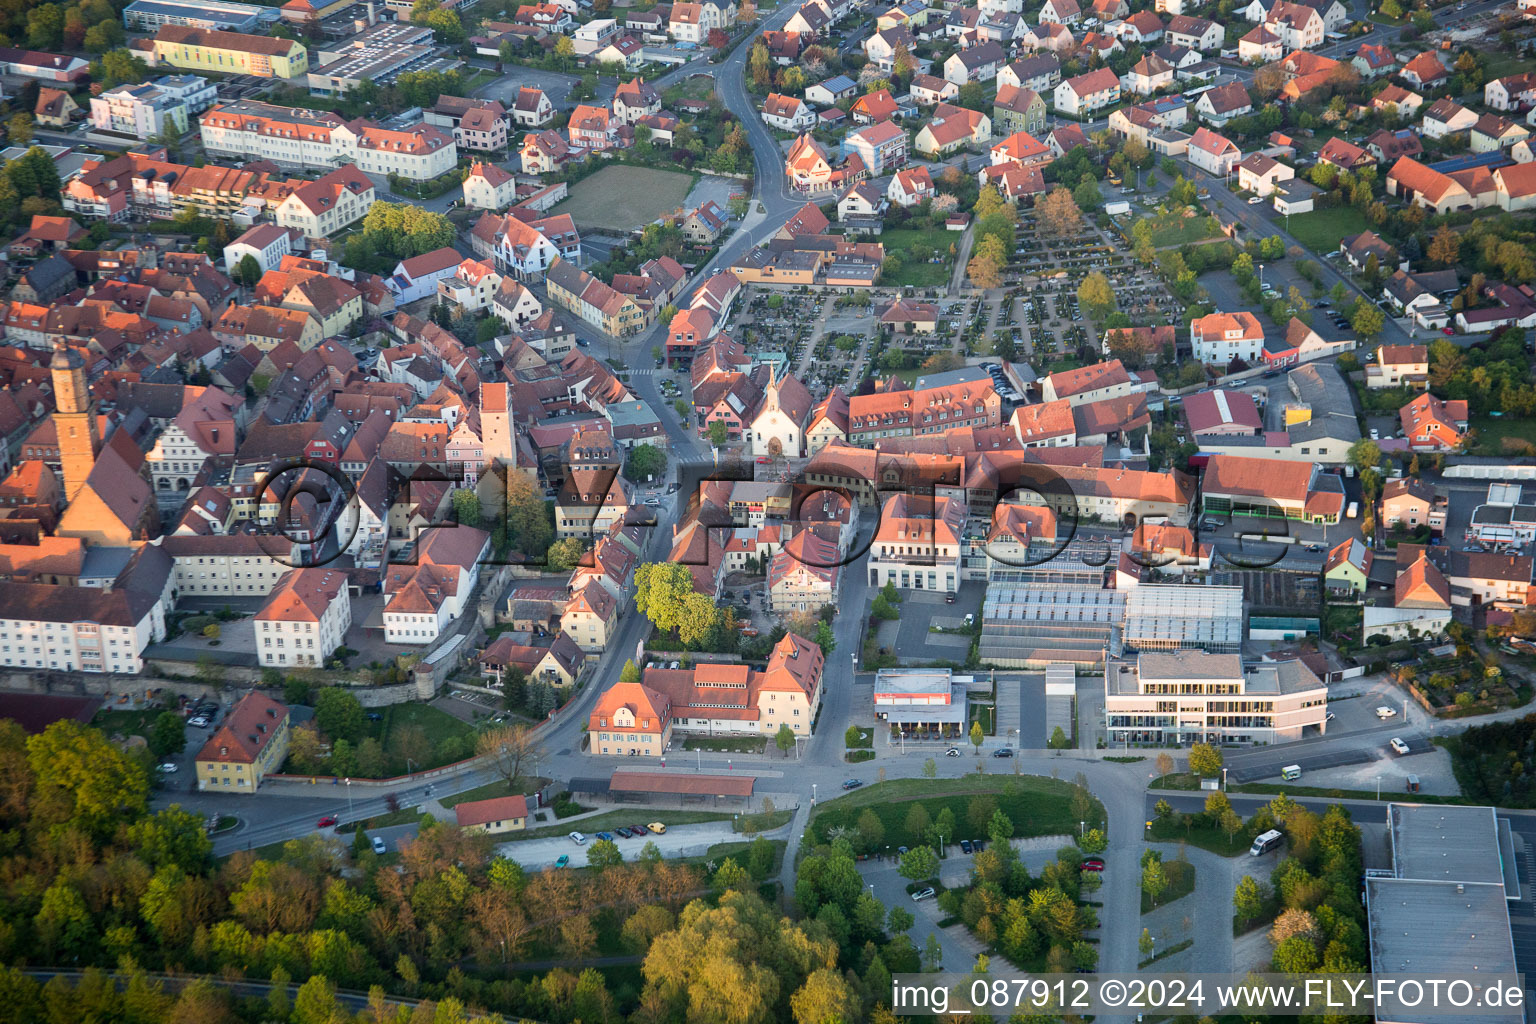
1084, 94
304, 620
267, 244
1212, 153
1219, 338
788, 113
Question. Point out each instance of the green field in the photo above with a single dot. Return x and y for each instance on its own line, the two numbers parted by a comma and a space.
1321, 230
1037, 806
126, 723
1174, 230
1491, 432
438, 725
916, 246
620, 199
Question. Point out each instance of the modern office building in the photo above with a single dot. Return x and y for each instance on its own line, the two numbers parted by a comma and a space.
147, 110
1183, 697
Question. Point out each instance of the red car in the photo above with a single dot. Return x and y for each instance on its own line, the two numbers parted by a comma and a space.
329, 821
1093, 864
1448, 331
763, 460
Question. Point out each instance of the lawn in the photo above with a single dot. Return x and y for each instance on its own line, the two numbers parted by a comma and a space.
1175, 230
1037, 806
491, 790
915, 247
727, 744
127, 723
620, 199
1492, 431
1321, 230
438, 725
1172, 830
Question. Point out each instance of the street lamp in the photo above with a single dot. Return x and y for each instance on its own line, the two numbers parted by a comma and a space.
350, 813
1378, 787
1082, 829
813, 794
1223, 778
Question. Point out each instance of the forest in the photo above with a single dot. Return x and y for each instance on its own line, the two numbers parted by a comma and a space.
442, 931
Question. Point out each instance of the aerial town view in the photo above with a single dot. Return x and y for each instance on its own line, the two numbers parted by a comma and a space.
751, 512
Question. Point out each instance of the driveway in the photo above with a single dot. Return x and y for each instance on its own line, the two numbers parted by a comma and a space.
679, 841
556, 85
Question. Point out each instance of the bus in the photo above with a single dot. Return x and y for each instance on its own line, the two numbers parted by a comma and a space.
1265, 842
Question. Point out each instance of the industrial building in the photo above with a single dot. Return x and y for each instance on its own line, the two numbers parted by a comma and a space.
1182, 697
380, 53
1034, 626
1444, 907
149, 15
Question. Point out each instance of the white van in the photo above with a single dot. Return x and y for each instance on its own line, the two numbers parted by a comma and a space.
1265, 842
1290, 772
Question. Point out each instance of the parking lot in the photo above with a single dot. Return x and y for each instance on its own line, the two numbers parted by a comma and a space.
678, 841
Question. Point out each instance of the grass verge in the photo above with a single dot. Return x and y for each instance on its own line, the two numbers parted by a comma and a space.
1177, 947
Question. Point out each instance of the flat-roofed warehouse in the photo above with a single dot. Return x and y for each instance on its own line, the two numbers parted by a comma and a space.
1445, 909
649, 787
1163, 617
1031, 627
149, 15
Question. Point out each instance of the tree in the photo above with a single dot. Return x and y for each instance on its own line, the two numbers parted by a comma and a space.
528, 520
19, 129
719, 433
120, 67
1154, 879
565, 555
247, 271
1230, 823
1087, 195
1368, 321
630, 673
1057, 214
1145, 944
1205, 760
977, 736
507, 750
871, 830
604, 853
1164, 763
81, 778
825, 998
983, 270
167, 735
1364, 454
339, 715
1096, 295
1248, 899
645, 462
1163, 809
930, 768
661, 590
466, 506
784, 739
918, 864
1445, 246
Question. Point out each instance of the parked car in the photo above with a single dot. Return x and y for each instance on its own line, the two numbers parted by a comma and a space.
1398, 745
852, 783
1255, 200
578, 838
1003, 752
624, 833
657, 827
1093, 864
949, 598
1386, 712
168, 767
965, 846
639, 830
952, 752
922, 894
379, 847
605, 835
563, 861
329, 821
198, 722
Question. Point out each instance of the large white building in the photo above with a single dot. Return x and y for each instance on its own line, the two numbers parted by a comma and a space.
147, 110
75, 629
305, 618
299, 137
232, 565
1183, 697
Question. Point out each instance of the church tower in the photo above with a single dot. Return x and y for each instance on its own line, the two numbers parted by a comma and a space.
75, 418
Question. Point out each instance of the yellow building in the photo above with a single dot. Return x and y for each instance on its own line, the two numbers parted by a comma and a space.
249, 746
501, 814
229, 53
